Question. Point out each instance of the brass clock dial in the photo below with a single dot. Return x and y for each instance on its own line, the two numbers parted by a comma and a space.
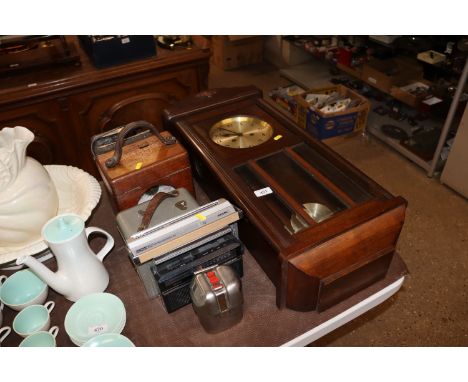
241, 132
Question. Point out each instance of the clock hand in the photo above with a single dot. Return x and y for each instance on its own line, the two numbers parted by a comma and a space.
230, 135
229, 131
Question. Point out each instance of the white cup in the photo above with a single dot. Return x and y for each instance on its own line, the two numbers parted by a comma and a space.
41, 339
32, 319
4, 333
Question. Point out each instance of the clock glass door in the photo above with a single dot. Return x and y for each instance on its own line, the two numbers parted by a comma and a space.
300, 187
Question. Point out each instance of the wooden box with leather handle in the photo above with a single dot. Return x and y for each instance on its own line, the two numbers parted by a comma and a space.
131, 165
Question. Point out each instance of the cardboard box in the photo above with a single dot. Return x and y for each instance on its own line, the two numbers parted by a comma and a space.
232, 52
407, 95
384, 74
322, 125
285, 97
432, 57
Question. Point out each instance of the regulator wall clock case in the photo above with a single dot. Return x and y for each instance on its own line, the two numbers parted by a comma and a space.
319, 228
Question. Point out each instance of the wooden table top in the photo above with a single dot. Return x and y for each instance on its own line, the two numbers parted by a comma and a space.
148, 324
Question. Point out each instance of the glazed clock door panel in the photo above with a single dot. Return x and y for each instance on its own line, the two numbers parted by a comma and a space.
135, 99
280, 211
314, 161
303, 188
54, 140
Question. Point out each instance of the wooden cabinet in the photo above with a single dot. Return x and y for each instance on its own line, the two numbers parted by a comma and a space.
319, 228
65, 106
44, 119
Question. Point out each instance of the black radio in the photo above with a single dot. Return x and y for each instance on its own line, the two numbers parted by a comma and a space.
174, 275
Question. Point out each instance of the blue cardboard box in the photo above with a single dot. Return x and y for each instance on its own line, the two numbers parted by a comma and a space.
327, 125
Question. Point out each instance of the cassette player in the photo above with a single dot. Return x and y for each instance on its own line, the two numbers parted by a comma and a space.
174, 276
171, 237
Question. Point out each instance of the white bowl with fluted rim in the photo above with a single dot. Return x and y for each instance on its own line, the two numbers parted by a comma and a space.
78, 192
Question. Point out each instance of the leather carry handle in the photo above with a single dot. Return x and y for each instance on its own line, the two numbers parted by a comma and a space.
115, 159
152, 205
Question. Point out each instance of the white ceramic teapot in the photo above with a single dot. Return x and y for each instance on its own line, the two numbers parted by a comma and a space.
28, 197
80, 270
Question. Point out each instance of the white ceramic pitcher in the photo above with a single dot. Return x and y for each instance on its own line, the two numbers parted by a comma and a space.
80, 270
28, 197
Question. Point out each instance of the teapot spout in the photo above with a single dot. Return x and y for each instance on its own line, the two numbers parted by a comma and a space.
45, 274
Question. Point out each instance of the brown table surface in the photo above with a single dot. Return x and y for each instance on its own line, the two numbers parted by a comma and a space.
148, 324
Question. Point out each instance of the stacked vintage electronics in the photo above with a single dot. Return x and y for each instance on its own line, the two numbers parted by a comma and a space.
182, 238
169, 236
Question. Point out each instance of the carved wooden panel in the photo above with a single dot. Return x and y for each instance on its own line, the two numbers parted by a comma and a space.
138, 98
54, 142
146, 106
99, 107
66, 106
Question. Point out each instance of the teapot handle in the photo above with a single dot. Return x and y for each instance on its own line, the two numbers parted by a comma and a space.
109, 243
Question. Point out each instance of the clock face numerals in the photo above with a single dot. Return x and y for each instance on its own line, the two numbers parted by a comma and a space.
241, 132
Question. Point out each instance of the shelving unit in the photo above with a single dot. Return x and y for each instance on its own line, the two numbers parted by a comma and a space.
374, 121
317, 72
308, 75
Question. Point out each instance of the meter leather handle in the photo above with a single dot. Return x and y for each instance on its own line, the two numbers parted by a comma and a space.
115, 159
152, 205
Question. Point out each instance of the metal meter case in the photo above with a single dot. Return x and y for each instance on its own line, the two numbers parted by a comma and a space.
217, 298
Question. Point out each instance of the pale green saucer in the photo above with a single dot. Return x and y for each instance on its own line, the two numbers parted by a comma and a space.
109, 340
95, 314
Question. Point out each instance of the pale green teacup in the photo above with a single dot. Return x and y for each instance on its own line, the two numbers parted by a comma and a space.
32, 319
41, 339
21, 289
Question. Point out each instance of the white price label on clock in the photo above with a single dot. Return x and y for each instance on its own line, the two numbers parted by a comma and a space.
263, 192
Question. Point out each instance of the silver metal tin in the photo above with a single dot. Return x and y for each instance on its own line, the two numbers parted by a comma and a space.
217, 298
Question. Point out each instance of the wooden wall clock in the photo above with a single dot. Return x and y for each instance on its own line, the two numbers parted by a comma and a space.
319, 228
